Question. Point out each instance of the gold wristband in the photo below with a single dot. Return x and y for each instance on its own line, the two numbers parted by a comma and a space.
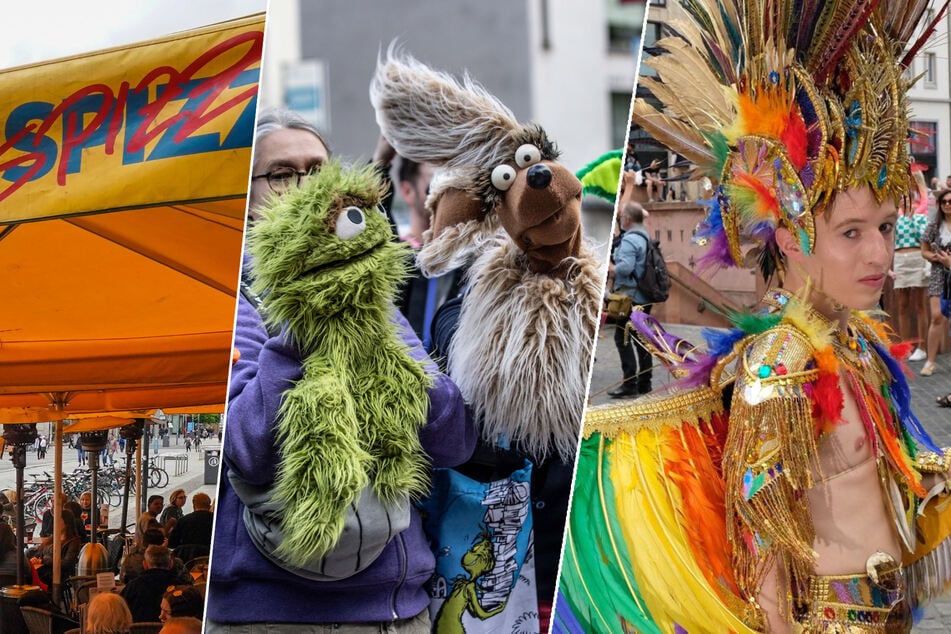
930, 462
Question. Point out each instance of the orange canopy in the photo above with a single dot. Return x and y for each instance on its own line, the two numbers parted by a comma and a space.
119, 254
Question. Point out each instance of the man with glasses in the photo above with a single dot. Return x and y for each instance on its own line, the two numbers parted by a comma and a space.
246, 587
287, 147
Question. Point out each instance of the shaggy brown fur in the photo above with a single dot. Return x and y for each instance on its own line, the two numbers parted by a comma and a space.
521, 352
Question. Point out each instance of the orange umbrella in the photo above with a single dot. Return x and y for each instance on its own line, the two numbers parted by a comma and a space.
123, 178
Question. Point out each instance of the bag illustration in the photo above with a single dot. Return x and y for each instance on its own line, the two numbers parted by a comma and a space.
481, 534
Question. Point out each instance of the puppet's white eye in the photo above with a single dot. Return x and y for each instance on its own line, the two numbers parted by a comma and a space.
503, 176
350, 223
527, 155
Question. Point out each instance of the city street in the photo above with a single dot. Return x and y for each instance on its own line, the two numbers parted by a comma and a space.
190, 474
606, 375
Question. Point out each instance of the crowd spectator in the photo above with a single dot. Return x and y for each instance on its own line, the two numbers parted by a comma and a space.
108, 613
182, 601
149, 517
132, 563
173, 510
144, 593
195, 527
69, 543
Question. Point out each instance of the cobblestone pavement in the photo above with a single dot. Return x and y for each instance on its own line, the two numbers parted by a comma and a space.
606, 375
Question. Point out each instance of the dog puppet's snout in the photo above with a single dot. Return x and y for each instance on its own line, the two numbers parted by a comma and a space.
539, 176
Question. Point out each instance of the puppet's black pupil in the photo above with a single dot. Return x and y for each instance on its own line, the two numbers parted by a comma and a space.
355, 215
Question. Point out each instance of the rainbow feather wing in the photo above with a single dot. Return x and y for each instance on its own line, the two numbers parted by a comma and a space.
646, 545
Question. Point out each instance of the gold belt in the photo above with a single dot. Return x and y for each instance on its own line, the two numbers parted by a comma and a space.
857, 604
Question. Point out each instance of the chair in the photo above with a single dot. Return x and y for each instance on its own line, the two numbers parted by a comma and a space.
38, 620
43, 621
188, 552
82, 592
71, 590
144, 628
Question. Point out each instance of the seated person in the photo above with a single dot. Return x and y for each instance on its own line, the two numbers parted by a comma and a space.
144, 593
69, 543
132, 563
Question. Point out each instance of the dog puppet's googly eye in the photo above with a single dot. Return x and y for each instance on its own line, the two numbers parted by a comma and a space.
527, 155
350, 223
503, 176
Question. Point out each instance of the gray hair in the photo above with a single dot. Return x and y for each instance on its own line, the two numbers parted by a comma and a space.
277, 118
158, 557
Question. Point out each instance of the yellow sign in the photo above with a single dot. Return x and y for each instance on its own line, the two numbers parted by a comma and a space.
159, 122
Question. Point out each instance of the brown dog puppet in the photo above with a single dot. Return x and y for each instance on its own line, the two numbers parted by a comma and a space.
503, 205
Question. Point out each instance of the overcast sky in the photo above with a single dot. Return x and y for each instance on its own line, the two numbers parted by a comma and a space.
39, 30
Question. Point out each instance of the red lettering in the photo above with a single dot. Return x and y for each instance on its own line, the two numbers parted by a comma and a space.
38, 158
215, 85
115, 124
73, 132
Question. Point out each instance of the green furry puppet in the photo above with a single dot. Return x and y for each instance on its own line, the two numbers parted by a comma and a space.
327, 268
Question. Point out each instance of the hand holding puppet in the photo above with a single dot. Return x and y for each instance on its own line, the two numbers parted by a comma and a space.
327, 270
502, 204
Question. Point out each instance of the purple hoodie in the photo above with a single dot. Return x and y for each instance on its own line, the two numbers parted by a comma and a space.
245, 587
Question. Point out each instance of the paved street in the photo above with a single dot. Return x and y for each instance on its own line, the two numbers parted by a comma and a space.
607, 375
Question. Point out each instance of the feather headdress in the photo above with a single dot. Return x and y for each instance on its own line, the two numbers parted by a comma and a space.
785, 103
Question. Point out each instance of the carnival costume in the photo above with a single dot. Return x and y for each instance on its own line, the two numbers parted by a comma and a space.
686, 499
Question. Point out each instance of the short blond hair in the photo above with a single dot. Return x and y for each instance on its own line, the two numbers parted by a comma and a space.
108, 613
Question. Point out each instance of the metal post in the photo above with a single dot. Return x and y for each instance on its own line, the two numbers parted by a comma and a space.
19, 437
131, 433
19, 462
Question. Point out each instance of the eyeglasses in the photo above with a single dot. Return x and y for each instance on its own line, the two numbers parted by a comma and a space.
946, 201
283, 178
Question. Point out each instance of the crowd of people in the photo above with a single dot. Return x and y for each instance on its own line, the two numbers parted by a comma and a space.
160, 573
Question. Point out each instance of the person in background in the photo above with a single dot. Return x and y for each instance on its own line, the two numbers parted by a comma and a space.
69, 542
909, 269
8, 552
420, 296
182, 601
148, 518
144, 593
173, 510
108, 613
630, 258
936, 248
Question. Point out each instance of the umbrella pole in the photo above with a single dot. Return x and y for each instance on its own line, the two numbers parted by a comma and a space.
59, 404
144, 466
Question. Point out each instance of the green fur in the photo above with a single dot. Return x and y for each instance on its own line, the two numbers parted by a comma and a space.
600, 177
353, 419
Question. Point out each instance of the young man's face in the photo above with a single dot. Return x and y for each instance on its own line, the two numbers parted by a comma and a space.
852, 253
156, 506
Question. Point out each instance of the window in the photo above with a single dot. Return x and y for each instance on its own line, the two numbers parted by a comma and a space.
620, 111
624, 24
931, 70
923, 146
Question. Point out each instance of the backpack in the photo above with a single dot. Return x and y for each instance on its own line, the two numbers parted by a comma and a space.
654, 284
